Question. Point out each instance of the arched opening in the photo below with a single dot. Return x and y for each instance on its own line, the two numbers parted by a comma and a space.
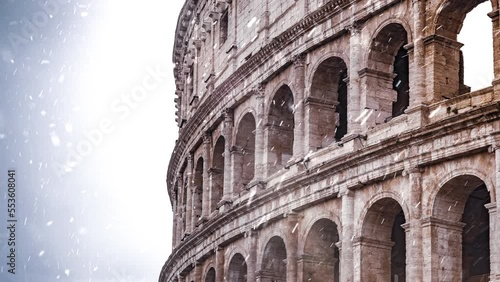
198, 189
274, 261
401, 82
386, 77
326, 111
476, 35
237, 271
463, 218
320, 261
217, 174
210, 277
279, 130
243, 153
383, 243
446, 52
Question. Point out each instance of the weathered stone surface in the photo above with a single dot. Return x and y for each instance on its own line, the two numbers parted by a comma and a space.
332, 141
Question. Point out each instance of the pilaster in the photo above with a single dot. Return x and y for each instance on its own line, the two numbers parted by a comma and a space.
219, 264
228, 136
292, 248
494, 246
189, 196
347, 263
260, 168
299, 120
354, 95
417, 52
495, 18
252, 237
414, 253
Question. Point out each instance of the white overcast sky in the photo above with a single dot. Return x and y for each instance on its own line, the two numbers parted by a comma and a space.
108, 218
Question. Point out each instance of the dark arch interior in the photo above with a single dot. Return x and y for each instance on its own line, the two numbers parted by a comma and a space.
274, 260
401, 82
237, 269
210, 275
280, 129
321, 255
476, 236
244, 153
217, 173
198, 185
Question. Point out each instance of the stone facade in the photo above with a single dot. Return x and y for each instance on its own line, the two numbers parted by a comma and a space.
332, 141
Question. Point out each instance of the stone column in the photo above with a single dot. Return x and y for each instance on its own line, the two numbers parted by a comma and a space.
189, 198
219, 264
495, 220
260, 146
205, 207
414, 254
494, 246
264, 24
417, 110
346, 252
374, 259
444, 59
353, 96
442, 249
198, 269
252, 237
233, 52
228, 136
176, 224
293, 241
300, 88
417, 74
495, 17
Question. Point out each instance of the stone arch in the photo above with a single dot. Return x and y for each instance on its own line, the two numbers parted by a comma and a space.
326, 104
320, 258
382, 241
441, 179
243, 152
460, 224
450, 14
447, 57
387, 73
311, 220
217, 173
237, 268
279, 130
198, 189
210, 275
269, 99
274, 261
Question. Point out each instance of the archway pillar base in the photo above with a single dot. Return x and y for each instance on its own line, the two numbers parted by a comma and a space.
375, 258
442, 249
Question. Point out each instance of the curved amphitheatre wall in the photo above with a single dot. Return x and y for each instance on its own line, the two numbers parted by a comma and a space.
332, 141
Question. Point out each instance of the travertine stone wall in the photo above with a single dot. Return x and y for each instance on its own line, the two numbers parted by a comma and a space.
292, 164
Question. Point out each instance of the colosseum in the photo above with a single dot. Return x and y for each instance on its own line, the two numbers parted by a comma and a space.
332, 140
